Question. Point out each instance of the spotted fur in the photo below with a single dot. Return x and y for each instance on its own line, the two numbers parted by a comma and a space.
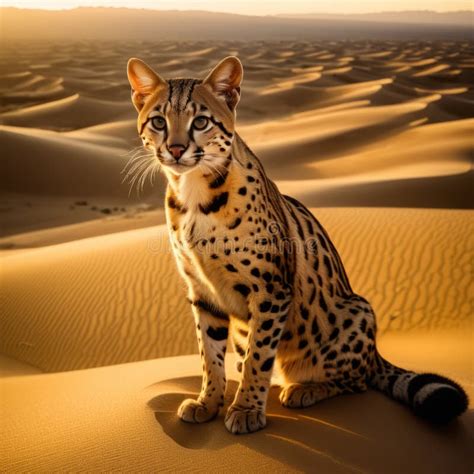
260, 267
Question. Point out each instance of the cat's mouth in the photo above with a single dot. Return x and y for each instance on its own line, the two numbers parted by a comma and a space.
180, 166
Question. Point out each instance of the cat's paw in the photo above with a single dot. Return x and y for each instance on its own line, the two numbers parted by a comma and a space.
301, 395
241, 420
193, 411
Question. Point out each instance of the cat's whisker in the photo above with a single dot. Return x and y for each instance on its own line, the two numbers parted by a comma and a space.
134, 176
133, 166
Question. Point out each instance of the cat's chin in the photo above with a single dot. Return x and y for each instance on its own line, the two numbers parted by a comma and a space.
179, 169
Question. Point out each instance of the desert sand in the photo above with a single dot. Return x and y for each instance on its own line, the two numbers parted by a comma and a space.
122, 419
375, 137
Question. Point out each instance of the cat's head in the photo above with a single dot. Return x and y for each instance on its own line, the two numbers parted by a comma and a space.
187, 123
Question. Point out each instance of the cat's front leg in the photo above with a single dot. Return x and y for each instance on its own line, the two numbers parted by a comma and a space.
266, 324
212, 327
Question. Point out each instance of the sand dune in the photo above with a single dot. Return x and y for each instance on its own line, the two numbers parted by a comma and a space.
333, 118
125, 302
66, 114
90, 169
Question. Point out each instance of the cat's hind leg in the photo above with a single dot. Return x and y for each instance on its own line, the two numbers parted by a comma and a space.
302, 395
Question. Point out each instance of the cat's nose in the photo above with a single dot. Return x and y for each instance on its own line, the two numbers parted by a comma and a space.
177, 151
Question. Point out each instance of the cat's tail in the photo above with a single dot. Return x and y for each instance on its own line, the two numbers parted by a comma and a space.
433, 397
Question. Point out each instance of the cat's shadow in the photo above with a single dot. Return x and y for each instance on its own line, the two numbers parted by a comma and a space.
348, 433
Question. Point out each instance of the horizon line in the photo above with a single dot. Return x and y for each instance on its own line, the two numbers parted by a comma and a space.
97, 7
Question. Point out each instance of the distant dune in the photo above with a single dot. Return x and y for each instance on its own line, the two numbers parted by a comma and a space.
421, 17
344, 123
117, 23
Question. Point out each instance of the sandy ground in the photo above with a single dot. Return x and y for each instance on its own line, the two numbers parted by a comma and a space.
376, 137
122, 418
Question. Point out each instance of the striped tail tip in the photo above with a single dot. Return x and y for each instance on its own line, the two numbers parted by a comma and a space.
432, 397
436, 398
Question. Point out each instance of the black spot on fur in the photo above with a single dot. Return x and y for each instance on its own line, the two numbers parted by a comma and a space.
331, 355
265, 307
267, 365
239, 349
173, 203
327, 264
302, 344
218, 334
358, 347
235, 224
242, 289
323, 242
231, 268
322, 302
304, 312
347, 323
219, 181
242, 191
211, 309
267, 324
215, 204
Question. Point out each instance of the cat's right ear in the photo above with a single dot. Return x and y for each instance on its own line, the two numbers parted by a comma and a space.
144, 81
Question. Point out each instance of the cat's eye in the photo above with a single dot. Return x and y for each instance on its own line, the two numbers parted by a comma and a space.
200, 123
159, 123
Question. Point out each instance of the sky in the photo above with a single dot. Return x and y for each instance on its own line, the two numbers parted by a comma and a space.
257, 7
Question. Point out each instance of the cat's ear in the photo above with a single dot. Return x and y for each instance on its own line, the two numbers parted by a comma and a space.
144, 81
225, 79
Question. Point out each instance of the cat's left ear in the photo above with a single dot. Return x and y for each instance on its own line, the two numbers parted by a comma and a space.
225, 79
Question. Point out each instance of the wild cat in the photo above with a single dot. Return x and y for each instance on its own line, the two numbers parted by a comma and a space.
259, 265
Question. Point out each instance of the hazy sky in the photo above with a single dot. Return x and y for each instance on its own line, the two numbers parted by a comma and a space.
258, 7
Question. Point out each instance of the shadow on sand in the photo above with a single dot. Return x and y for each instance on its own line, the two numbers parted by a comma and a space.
355, 433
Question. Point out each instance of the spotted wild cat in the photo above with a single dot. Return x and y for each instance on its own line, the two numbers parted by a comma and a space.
259, 266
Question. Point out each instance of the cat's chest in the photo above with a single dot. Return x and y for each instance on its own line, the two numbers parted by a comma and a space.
207, 237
